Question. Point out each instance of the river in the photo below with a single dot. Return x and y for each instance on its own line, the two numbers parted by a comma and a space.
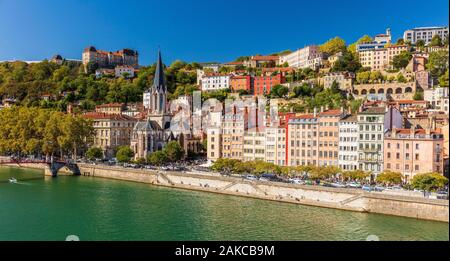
45, 208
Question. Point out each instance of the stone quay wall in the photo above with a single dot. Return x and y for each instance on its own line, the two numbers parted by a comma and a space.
338, 198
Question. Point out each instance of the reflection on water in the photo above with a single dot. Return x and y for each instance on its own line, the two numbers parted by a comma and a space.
101, 209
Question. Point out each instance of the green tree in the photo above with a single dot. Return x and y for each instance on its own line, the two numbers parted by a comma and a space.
91, 67
174, 151
348, 62
124, 154
401, 61
418, 96
333, 46
364, 39
401, 78
157, 158
94, 153
443, 79
390, 177
429, 181
278, 91
356, 175
437, 63
400, 41
436, 41
420, 44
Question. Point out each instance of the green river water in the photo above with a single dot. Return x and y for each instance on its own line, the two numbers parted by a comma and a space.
44, 208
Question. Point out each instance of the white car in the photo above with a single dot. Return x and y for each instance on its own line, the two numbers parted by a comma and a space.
297, 181
263, 179
251, 177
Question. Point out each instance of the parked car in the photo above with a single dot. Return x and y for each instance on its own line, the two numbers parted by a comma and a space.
250, 177
263, 179
442, 194
297, 181
326, 184
338, 185
354, 185
309, 182
367, 188
379, 188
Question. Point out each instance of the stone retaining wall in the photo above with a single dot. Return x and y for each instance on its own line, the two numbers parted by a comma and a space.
346, 199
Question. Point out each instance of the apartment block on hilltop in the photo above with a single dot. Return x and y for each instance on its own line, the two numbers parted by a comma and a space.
425, 33
110, 59
308, 57
215, 81
380, 58
263, 84
379, 42
259, 61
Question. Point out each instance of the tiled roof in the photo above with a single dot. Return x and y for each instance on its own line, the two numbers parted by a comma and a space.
234, 63
265, 58
373, 110
334, 112
350, 118
109, 105
406, 101
107, 116
418, 131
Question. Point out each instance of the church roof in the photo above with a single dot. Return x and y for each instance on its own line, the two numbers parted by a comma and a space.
159, 82
147, 125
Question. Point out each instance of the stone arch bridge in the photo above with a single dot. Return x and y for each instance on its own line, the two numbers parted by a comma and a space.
51, 167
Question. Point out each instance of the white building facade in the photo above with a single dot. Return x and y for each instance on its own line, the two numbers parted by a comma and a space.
348, 143
425, 33
215, 82
308, 57
276, 145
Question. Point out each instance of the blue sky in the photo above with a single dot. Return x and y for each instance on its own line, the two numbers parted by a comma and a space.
199, 30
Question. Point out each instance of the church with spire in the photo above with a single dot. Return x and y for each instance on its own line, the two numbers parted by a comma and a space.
153, 133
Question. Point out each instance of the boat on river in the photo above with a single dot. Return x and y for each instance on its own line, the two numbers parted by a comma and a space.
12, 180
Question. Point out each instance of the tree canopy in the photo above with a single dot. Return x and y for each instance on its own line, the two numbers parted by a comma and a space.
333, 46
41, 131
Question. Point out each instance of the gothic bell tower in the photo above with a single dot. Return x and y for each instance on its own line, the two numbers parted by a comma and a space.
156, 97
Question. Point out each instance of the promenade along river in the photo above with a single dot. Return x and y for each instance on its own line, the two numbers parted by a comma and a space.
38, 208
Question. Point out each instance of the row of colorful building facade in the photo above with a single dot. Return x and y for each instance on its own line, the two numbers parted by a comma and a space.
373, 139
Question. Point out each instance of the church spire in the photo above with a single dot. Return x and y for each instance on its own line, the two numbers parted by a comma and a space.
159, 83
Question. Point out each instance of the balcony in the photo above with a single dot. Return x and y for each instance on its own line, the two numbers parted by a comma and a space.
369, 150
369, 160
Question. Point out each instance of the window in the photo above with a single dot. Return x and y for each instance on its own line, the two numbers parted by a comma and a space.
397, 155
417, 156
388, 155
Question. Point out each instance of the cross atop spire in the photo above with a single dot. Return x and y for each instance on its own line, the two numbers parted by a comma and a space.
159, 83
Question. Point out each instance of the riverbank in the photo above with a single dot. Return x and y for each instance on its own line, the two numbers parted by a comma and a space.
337, 198
345, 199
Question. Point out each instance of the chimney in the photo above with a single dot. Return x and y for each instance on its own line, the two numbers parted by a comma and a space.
342, 110
413, 130
315, 112
321, 108
326, 107
307, 110
292, 110
428, 131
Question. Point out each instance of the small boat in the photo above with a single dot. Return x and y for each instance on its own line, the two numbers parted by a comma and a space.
12, 180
